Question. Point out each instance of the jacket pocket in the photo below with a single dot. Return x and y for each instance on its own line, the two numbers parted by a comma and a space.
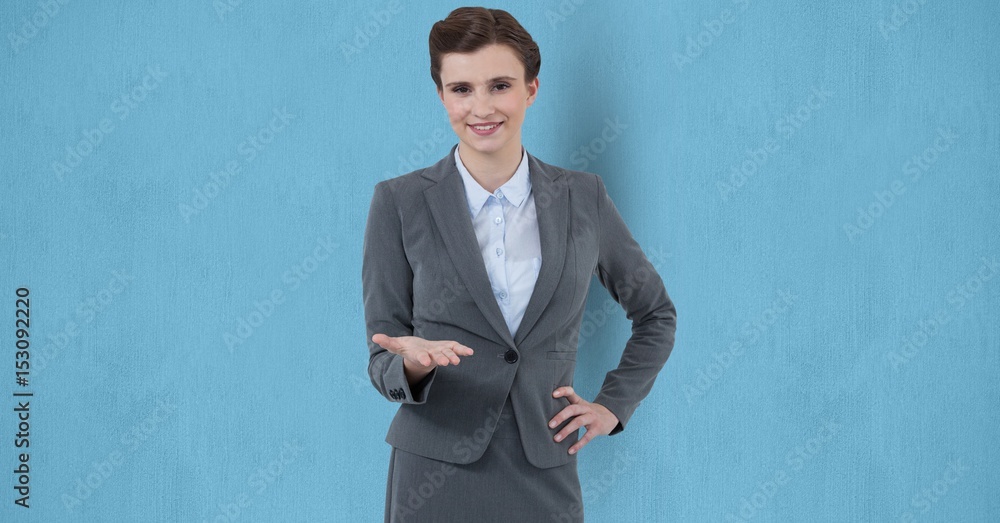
561, 355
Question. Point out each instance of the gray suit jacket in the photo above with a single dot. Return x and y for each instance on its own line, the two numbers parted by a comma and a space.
423, 275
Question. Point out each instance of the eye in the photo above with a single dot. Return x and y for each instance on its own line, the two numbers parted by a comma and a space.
460, 89
502, 86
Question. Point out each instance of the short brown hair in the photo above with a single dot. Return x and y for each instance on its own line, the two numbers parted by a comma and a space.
469, 29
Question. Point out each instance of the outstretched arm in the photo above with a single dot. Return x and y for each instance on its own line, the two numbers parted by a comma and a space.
387, 282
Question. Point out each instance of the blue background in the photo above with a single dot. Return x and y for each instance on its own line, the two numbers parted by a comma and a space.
820, 372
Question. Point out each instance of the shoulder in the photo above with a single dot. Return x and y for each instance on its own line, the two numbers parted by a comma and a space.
417, 180
579, 182
403, 183
404, 191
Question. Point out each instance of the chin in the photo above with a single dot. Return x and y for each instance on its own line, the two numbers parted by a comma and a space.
482, 146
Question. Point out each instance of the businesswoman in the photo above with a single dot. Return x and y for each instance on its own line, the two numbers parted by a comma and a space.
476, 272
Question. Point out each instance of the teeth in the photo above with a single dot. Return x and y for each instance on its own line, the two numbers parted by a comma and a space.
480, 128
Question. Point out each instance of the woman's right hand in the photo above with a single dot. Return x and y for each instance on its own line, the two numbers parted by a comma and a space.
421, 354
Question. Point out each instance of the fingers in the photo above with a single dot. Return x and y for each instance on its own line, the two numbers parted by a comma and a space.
448, 352
386, 342
453, 350
568, 393
566, 413
582, 414
458, 348
425, 352
582, 442
445, 357
425, 359
573, 426
398, 342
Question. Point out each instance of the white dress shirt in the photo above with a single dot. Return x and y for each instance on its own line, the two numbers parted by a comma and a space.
507, 229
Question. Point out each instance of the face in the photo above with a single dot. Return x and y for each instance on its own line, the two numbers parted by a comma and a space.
486, 97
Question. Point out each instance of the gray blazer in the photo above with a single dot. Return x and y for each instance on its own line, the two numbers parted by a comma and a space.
423, 275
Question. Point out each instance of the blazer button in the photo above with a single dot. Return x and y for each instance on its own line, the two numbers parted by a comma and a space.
510, 356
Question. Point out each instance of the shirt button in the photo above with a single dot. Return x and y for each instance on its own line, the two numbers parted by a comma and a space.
499, 251
497, 220
503, 295
499, 193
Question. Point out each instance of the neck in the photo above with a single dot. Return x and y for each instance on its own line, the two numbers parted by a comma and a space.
494, 169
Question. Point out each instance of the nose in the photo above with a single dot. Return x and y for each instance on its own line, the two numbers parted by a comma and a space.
483, 106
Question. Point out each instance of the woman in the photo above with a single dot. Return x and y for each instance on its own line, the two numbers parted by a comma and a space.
476, 271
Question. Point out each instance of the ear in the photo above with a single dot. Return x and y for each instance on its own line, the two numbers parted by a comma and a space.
532, 91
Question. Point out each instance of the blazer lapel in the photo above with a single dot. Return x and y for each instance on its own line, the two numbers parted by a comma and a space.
448, 204
449, 207
551, 197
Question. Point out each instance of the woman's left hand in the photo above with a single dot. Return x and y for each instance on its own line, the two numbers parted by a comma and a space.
598, 420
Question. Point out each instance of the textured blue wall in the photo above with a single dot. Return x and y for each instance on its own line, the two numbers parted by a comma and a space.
184, 190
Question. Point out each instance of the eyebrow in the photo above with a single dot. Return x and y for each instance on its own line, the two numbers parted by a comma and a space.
491, 80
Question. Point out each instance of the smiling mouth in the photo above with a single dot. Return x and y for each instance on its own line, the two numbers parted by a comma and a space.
486, 128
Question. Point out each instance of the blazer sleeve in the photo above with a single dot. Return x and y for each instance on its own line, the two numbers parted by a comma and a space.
624, 270
387, 282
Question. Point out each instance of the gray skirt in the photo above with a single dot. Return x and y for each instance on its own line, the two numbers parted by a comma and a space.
500, 486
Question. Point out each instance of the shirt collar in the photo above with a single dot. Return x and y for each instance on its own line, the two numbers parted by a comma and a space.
514, 190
